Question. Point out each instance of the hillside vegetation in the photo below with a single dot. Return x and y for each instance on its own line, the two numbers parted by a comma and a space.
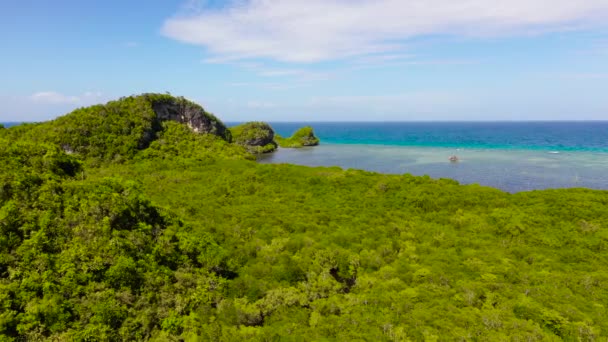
256, 137
304, 136
119, 129
177, 235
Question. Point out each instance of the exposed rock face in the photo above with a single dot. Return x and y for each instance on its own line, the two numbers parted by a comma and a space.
306, 136
191, 114
257, 137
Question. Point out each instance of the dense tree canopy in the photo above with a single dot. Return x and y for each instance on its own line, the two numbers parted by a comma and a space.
187, 238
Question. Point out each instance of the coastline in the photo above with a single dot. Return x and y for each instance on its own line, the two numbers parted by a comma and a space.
512, 170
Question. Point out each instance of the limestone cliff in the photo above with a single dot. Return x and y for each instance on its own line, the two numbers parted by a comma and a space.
189, 113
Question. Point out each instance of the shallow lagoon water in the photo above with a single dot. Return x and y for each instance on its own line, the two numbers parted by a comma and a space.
511, 170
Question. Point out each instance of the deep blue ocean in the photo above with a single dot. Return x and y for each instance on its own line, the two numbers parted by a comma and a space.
512, 156
551, 136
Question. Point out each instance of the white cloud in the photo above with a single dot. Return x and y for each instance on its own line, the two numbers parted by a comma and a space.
318, 30
53, 97
367, 62
276, 86
281, 73
383, 59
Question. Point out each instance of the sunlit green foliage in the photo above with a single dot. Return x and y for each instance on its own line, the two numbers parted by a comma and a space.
119, 129
304, 136
189, 240
256, 137
326, 253
93, 260
175, 141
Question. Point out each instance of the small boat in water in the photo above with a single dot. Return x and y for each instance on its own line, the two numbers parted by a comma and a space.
453, 159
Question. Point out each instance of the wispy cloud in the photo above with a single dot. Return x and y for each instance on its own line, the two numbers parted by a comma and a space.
367, 62
261, 105
298, 75
383, 59
53, 97
268, 85
281, 72
320, 30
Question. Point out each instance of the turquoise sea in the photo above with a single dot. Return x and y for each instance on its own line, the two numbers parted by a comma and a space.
512, 156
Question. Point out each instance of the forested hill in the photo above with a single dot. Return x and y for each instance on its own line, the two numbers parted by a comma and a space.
119, 129
141, 220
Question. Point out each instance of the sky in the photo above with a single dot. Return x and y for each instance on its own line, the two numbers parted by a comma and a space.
314, 60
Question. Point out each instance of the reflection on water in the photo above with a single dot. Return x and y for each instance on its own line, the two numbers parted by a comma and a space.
510, 170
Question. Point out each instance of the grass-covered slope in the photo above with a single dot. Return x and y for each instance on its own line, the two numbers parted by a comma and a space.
304, 136
188, 240
256, 137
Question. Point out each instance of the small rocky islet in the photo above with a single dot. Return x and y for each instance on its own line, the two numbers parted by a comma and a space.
259, 137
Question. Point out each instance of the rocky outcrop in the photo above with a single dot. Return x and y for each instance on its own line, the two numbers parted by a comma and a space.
305, 136
256, 137
194, 116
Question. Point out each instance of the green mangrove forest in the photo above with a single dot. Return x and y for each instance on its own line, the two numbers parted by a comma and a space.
147, 219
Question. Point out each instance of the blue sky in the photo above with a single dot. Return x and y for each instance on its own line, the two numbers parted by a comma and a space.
315, 60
